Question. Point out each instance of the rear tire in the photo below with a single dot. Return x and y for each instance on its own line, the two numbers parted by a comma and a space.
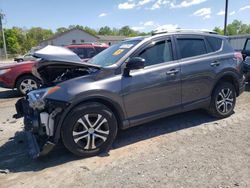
223, 100
89, 129
27, 83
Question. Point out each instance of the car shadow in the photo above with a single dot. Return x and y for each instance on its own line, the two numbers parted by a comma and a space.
14, 153
247, 87
7, 94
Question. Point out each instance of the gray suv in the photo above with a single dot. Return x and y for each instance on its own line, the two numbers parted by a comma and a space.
141, 79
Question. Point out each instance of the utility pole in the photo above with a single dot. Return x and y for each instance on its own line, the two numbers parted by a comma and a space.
225, 21
4, 43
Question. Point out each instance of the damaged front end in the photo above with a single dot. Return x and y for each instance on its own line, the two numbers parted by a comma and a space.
42, 113
40, 119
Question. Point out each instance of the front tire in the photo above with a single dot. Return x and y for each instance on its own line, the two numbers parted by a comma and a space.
89, 129
223, 100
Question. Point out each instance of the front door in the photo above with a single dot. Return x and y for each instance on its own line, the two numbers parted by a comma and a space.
151, 91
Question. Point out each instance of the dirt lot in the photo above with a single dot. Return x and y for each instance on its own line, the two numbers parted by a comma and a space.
185, 150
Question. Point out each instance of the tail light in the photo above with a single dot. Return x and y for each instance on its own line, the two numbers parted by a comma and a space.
238, 57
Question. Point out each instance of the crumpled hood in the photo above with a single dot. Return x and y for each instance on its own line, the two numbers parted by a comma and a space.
56, 53
58, 63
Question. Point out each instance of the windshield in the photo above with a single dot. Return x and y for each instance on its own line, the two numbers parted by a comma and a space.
114, 53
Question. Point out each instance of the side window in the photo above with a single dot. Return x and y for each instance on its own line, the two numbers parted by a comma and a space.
214, 43
159, 53
191, 47
90, 52
247, 45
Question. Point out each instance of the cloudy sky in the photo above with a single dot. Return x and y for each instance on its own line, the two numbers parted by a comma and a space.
142, 15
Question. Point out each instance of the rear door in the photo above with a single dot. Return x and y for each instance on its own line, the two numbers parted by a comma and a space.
198, 68
156, 88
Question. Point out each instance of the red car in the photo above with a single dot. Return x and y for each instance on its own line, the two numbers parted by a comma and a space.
87, 50
18, 75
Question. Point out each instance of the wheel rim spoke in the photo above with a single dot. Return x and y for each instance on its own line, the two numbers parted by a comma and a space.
92, 130
93, 142
88, 142
100, 124
102, 132
79, 135
221, 105
225, 100
104, 138
82, 123
219, 102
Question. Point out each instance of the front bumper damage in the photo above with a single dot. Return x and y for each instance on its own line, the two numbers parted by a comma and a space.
39, 126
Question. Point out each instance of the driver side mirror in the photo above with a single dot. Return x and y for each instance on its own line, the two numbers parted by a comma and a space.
133, 63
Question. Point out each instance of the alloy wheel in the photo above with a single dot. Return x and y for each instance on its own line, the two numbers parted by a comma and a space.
225, 101
28, 85
90, 131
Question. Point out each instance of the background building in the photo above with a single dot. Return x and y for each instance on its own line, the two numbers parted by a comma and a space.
79, 36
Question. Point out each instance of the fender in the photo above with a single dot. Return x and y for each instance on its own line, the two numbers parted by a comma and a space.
228, 73
115, 107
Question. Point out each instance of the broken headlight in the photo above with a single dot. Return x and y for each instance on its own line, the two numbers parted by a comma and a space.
36, 97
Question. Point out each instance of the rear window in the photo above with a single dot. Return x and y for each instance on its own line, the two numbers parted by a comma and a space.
191, 47
214, 43
99, 49
84, 53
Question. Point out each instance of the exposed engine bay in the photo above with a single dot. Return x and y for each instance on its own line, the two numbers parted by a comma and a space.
58, 64
57, 72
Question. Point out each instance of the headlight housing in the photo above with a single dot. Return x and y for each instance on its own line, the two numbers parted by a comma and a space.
36, 97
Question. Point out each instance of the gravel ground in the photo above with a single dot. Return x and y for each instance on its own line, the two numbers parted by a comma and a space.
186, 150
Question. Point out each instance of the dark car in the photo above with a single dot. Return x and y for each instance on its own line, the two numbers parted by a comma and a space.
246, 49
130, 83
246, 65
246, 56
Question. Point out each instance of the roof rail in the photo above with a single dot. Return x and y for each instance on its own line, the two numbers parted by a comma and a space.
88, 43
161, 31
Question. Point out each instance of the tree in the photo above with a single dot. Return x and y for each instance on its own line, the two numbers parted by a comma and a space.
61, 30
127, 31
12, 44
90, 30
235, 28
105, 31
218, 30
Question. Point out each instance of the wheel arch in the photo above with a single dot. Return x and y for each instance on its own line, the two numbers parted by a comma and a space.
230, 77
22, 75
113, 106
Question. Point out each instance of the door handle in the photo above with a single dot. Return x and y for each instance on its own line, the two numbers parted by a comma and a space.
215, 63
172, 72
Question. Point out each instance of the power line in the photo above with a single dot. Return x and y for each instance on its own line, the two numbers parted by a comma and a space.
225, 21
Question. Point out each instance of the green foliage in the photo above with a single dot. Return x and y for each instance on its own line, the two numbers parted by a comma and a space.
235, 28
12, 43
20, 40
105, 31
